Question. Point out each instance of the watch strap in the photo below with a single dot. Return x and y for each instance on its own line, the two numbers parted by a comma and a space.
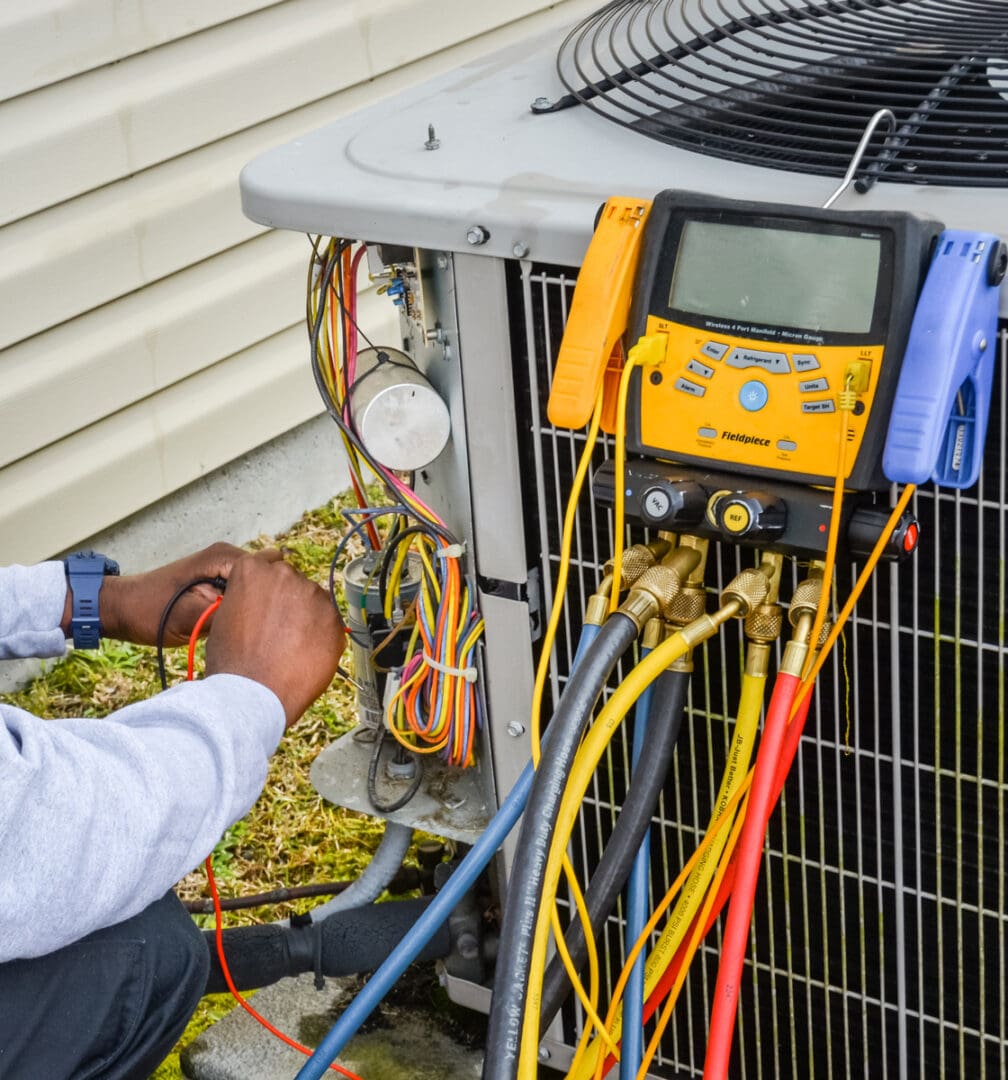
86, 572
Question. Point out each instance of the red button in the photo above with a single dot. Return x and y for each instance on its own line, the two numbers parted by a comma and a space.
911, 536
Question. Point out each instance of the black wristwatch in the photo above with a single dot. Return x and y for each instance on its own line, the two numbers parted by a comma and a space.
86, 572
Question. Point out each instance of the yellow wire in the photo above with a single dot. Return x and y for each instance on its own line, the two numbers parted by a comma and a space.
566, 539
833, 539
582, 770
589, 998
743, 743
634, 360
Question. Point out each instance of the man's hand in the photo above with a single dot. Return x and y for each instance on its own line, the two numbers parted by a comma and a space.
278, 628
130, 607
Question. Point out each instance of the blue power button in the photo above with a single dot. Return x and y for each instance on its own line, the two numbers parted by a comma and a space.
753, 395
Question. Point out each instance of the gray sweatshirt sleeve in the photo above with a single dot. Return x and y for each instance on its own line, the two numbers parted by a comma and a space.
98, 818
31, 606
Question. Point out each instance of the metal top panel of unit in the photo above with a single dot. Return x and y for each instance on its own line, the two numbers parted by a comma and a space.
532, 182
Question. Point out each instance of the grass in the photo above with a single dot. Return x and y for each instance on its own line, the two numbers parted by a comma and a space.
291, 836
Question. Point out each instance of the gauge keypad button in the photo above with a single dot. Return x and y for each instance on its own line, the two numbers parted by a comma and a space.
687, 387
774, 362
696, 368
805, 362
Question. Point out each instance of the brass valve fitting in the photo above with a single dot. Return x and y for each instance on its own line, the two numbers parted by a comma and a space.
654, 633
805, 600
636, 559
746, 591
764, 623
652, 595
689, 604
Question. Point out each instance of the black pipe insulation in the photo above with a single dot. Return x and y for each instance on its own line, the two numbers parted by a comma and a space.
668, 702
524, 889
347, 943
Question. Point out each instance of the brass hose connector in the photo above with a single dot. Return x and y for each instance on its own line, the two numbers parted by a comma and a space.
689, 604
796, 650
763, 624
636, 559
652, 595
746, 591
654, 634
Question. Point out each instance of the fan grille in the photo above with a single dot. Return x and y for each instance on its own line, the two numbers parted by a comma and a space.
793, 85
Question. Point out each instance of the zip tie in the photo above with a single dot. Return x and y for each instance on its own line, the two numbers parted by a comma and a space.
451, 551
470, 674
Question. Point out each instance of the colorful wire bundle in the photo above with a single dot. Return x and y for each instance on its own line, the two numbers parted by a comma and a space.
436, 708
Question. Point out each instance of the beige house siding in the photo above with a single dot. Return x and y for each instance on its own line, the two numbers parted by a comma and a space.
149, 333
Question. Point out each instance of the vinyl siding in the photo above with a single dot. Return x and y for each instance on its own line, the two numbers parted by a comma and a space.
149, 333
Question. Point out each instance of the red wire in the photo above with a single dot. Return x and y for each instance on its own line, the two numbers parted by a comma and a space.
218, 914
747, 867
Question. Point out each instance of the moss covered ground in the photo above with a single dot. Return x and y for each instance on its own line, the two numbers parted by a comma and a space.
291, 836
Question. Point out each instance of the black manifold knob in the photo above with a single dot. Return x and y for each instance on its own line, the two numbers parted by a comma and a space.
748, 515
866, 526
673, 504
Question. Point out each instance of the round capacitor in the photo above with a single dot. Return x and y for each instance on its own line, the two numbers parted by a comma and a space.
401, 419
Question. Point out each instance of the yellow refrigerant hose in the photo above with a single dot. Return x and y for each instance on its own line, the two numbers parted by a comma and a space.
699, 881
582, 770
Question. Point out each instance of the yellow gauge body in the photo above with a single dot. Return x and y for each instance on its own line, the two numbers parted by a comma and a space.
746, 403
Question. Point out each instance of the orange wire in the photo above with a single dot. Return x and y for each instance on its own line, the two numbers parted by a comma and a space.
218, 914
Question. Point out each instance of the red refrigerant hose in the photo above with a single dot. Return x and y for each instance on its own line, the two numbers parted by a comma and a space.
762, 796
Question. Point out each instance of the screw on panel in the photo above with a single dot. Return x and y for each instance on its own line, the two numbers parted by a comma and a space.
544, 1054
520, 250
514, 729
477, 235
432, 142
442, 262
541, 104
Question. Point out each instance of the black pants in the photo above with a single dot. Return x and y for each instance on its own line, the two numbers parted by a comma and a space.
109, 1007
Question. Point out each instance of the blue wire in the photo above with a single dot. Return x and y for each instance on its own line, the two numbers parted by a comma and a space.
423, 929
632, 1047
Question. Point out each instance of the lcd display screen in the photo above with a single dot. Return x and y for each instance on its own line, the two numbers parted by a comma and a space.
782, 277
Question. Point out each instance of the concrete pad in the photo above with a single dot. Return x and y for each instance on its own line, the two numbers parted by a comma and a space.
416, 1034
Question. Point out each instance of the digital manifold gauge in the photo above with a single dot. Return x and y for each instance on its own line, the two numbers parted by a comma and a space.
767, 310
751, 319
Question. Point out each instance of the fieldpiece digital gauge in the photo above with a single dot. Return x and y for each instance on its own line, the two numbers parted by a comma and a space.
767, 311
750, 319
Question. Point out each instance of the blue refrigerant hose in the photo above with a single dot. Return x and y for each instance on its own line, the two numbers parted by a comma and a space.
632, 1047
446, 900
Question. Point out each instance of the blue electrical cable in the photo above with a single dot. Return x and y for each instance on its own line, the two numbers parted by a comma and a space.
450, 895
632, 1046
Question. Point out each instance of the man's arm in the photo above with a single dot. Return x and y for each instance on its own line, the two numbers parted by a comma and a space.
99, 817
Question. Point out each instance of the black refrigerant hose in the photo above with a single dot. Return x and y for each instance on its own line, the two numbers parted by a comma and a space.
524, 889
668, 702
346, 943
